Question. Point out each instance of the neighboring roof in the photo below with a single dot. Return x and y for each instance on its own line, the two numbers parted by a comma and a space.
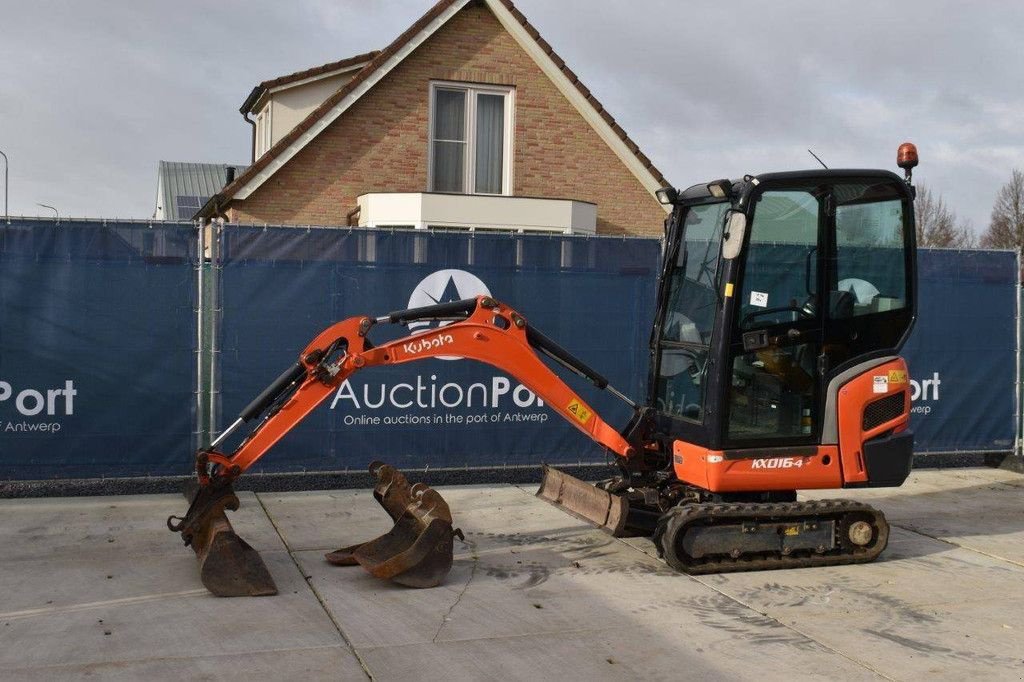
184, 187
385, 60
321, 70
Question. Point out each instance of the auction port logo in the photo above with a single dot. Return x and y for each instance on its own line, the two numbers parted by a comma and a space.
427, 392
34, 404
444, 286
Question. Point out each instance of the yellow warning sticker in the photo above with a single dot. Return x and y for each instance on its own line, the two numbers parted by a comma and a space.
577, 410
792, 530
897, 376
728, 289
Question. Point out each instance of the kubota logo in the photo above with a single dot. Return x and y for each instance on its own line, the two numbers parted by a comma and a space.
444, 286
421, 345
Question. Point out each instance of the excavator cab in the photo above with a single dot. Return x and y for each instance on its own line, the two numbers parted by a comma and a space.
775, 291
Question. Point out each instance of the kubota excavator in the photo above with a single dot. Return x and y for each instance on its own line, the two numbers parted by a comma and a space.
782, 304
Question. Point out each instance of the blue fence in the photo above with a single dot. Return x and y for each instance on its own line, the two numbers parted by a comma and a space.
280, 289
97, 340
102, 359
963, 352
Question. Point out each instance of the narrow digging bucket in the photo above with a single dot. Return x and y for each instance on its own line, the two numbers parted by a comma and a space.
417, 551
585, 501
228, 565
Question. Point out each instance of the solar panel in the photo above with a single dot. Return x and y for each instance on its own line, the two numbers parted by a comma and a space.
187, 205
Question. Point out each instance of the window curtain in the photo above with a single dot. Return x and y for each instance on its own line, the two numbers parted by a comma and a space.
490, 133
449, 140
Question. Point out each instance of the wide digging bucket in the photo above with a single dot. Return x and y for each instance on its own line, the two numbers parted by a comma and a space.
417, 551
585, 501
228, 565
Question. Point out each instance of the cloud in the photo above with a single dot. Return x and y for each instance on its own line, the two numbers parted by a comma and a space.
92, 95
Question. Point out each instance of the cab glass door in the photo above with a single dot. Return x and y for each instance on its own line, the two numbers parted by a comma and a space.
689, 315
777, 327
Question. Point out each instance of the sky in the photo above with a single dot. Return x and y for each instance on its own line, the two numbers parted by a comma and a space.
94, 94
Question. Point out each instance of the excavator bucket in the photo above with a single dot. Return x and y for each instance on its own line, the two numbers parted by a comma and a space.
417, 551
228, 565
585, 501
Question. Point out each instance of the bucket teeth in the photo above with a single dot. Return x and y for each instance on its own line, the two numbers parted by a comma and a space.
417, 551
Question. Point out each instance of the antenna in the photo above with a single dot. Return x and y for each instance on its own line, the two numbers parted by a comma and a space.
817, 159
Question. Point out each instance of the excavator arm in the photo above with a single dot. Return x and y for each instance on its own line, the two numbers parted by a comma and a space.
481, 329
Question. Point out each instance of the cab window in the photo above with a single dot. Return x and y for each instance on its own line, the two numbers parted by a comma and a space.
773, 389
870, 263
689, 318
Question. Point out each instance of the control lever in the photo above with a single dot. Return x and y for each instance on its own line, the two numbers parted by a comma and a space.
758, 339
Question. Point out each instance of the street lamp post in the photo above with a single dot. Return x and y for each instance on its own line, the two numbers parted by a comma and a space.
55, 214
6, 164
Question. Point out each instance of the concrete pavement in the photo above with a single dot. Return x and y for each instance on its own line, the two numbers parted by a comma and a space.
97, 588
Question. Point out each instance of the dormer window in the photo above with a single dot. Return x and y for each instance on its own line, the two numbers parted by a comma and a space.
263, 138
470, 138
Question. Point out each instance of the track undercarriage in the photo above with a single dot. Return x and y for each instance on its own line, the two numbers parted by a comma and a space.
722, 537
697, 532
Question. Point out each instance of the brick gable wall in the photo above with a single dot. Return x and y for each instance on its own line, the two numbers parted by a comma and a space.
380, 143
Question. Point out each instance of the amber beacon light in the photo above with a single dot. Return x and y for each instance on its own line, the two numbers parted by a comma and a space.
906, 158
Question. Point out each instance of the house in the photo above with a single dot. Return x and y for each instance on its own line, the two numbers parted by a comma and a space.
183, 188
468, 120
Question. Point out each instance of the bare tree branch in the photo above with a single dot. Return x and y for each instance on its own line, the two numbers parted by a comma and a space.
1006, 231
937, 224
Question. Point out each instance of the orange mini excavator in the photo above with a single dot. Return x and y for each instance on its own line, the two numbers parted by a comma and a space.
783, 302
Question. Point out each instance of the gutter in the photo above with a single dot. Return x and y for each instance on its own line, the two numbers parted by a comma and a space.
213, 208
245, 110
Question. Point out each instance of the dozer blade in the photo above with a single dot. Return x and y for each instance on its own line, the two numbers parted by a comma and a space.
228, 565
585, 501
417, 551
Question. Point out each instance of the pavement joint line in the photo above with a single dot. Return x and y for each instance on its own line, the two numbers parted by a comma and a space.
124, 601
730, 597
959, 546
472, 574
316, 593
490, 638
149, 659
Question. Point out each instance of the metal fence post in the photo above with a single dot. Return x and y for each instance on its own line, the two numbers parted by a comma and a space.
207, 343
201, 431
1015, 462
214, 318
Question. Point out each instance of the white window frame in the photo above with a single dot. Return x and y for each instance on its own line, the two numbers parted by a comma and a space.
263, 131
471, 90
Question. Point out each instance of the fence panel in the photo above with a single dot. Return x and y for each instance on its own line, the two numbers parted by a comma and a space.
281, 286
962, 353
97, 336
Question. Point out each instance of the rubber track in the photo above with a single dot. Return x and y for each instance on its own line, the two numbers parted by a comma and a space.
679, 517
